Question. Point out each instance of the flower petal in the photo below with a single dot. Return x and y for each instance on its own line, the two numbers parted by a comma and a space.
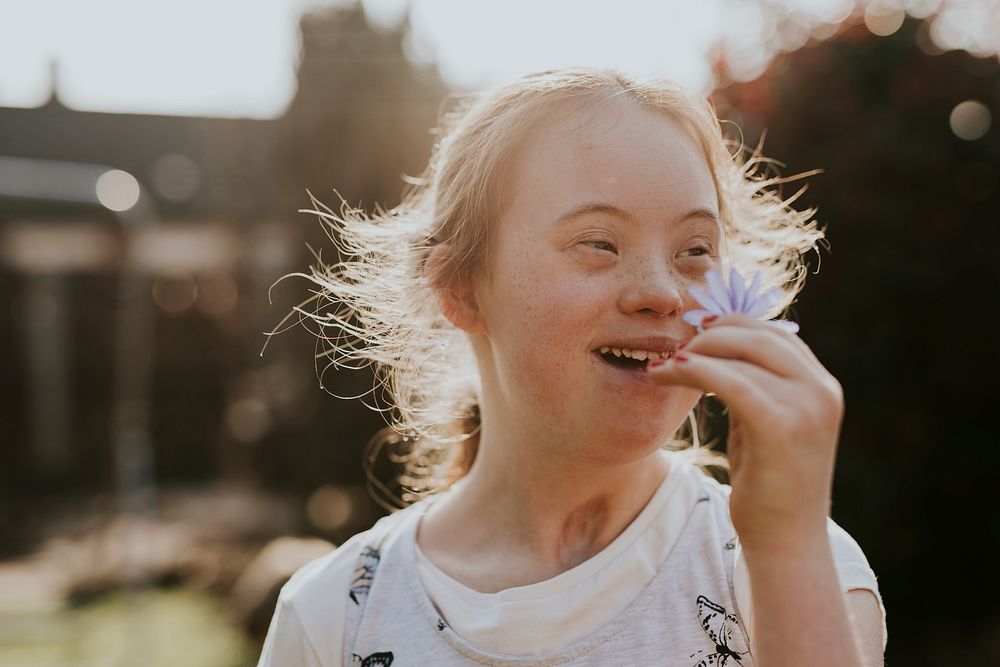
706, 299
751, 294
737, 290
764, 303
719, 291
694, 317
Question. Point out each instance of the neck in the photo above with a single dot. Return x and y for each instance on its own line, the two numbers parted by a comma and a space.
534, 512
566, 509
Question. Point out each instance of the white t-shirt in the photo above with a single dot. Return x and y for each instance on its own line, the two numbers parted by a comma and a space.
307, 627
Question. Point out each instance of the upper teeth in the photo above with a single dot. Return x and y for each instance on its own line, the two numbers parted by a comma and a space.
640, 355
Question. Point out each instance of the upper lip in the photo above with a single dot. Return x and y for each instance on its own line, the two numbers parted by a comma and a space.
648, 343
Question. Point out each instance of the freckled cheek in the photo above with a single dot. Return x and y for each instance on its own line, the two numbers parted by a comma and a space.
550, 324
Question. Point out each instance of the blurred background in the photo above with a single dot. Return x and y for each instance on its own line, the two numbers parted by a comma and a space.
160, 477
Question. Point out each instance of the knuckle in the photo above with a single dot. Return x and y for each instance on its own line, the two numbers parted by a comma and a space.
829, 402
819, 409
834, 392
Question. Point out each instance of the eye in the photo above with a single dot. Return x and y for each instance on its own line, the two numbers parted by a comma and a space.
602, 245
702, 251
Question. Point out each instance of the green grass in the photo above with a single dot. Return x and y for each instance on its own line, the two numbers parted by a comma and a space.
171, 627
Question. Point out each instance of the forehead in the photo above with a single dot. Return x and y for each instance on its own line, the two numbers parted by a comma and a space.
619, 153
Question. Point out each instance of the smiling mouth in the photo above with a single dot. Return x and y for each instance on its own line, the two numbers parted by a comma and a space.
630, 360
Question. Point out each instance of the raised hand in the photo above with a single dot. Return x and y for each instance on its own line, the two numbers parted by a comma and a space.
785, 412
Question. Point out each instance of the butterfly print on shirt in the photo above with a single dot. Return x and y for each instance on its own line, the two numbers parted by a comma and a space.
724, 630
364, 573
383, 659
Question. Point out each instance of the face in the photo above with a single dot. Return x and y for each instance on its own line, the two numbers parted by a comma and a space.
612, 213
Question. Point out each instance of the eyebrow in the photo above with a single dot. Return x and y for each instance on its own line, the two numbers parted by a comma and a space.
587, 208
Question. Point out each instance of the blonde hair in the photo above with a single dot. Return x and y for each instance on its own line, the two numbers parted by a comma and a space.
378, 306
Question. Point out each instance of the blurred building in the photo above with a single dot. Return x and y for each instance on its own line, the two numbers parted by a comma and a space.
217, 225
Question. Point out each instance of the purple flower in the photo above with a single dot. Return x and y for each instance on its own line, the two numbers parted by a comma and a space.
719, 299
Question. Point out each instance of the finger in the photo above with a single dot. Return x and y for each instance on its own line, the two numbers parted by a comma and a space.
738, 319
753, 345
746, 388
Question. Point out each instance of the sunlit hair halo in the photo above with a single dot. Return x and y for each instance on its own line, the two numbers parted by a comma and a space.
378, 306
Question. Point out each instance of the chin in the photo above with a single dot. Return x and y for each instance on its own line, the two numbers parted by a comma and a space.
637, 440
654, 421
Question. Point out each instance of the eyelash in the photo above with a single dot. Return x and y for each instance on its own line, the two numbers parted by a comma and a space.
705, 251
607, 243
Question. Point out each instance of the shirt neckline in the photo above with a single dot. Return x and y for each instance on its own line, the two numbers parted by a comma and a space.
676, 474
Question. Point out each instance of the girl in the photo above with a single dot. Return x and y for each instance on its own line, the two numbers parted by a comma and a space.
528, 307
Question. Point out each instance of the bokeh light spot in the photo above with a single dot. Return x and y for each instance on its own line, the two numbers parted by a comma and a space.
117, 190
329, 507
883, 19
248, 419
217, 292
176, 177
174, 291
970, 120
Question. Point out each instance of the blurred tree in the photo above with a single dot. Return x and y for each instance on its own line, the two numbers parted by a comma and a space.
901, 312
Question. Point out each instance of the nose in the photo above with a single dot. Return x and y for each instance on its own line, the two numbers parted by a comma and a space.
653, 289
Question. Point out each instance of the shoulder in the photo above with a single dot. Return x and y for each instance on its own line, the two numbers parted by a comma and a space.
853, 573
853, 569
852, 565
307, 628
713, 486
697, 490
711, 489
314, 591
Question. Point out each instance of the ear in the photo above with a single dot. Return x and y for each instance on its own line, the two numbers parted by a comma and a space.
458, 303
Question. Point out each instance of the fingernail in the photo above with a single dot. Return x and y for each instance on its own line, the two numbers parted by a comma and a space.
656, 362
709, 318
678, 357
681, 346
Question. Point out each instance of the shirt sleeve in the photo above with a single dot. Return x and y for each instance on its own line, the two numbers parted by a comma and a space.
853, 572
287, 643
307, 629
